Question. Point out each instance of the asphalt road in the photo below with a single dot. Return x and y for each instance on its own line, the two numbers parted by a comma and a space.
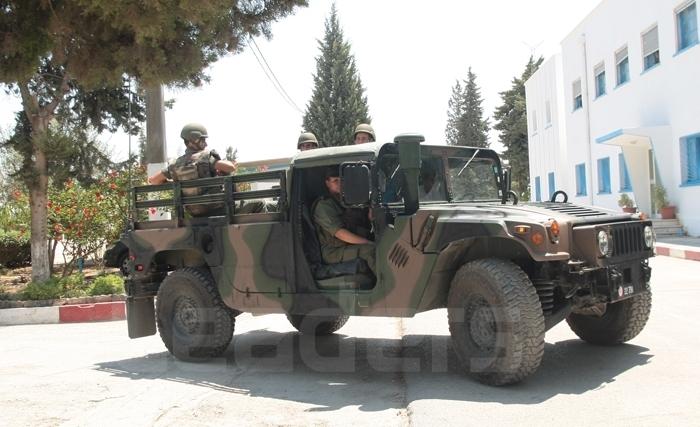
374, 371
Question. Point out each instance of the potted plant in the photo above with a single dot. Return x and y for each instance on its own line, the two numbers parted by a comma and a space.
661, 202
626, 203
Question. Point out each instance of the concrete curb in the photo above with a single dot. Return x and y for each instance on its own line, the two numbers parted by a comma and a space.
98, 312
678, 251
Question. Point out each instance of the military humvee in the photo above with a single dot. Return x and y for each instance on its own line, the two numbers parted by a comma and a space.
449, 233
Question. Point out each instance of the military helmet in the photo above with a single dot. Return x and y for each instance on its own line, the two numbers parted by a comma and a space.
364, 127
193, 131
307, 137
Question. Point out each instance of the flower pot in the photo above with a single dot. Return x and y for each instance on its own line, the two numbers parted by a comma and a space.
668, 212
629, 210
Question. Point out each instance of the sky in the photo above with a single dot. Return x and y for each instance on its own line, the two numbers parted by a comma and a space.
409, 54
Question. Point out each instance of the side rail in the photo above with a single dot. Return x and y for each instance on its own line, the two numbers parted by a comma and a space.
253, 197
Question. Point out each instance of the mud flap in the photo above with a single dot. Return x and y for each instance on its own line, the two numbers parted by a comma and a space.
140, 317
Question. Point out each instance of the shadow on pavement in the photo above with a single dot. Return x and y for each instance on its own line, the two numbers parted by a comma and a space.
376, 374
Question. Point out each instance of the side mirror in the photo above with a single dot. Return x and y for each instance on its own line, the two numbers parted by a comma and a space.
355, 184
410, 160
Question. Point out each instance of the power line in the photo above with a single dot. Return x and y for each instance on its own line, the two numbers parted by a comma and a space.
271, 75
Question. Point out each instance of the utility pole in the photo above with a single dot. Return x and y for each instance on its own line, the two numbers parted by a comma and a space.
156, 157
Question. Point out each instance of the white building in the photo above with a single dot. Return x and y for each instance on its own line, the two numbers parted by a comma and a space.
619, 109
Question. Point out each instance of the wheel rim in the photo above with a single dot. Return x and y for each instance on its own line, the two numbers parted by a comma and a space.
482, 324
186, 316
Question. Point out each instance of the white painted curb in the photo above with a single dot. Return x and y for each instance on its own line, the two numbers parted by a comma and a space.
29, 316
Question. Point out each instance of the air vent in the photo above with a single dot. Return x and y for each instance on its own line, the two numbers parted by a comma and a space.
569, 209
398, 256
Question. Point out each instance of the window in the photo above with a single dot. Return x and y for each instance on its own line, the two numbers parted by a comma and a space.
534, 121
552, 187
690, 160
687, 26
538, 190
599, 73
604, 176
622, 64
581, 179
650, 48
548, 113
578, 99
625, 184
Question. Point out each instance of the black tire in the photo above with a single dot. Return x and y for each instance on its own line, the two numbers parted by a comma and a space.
621, 322
193, 322
496, 321
317, 325
122, 263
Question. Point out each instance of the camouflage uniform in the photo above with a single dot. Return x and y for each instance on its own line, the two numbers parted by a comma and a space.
196, 164
329, 217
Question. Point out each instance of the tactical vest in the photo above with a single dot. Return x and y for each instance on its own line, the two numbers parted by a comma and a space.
193, 166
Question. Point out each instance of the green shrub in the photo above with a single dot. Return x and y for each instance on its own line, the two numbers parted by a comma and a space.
107, 285
74, 286
50, 289
15, 249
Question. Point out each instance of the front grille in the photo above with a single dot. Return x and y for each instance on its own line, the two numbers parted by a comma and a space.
627, 239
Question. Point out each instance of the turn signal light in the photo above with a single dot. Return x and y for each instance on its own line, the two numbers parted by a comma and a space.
139, 267
537, 238
521, 229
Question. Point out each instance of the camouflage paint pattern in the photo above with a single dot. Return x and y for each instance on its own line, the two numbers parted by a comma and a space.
256, 264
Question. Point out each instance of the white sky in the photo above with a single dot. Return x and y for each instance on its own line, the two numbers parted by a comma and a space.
409, 54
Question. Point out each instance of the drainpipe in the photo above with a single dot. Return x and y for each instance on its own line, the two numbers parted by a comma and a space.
586, 108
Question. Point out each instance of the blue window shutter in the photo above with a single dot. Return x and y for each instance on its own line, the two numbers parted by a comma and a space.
581, 179
692, 159
538, 191
552, 187
604, 175
625, 184
688, 26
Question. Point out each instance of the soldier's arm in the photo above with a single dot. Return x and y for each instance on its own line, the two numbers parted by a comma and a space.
349, 237
158, 178
219, 165
225, 166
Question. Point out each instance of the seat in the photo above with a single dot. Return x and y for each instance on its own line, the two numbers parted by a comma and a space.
356, 272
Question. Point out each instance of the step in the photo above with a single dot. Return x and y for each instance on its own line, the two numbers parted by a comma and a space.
670, 232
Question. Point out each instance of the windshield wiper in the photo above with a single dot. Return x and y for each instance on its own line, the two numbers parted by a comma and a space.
467, 164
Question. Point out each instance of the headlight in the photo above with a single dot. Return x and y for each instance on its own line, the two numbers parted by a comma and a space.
648, 237
603, 243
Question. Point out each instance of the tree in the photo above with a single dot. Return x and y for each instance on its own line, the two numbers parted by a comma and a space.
75, 56
511, 122
465, 122
338, 103
231, 153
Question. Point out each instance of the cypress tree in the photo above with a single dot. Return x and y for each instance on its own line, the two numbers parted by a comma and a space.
511, 122
465, 122
338, 102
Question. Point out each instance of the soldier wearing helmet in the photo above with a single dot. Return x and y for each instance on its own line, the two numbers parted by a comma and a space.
197, 162
307, 141
363, 134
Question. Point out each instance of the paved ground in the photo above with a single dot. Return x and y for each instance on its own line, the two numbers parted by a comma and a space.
92, 374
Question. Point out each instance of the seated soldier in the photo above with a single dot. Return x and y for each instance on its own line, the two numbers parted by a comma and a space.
339, 233
197, 162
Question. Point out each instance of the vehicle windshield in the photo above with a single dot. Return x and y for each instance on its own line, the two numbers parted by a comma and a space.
473, 179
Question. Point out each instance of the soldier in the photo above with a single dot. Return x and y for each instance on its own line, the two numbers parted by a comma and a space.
307, 141
363, 134
197, 162
339, 240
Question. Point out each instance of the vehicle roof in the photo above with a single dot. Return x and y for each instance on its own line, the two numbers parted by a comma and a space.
309, 157
367, 152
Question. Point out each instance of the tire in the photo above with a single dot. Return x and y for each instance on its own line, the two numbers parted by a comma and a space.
193, 322
122, 263
496, 321
317, 325
621, 322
